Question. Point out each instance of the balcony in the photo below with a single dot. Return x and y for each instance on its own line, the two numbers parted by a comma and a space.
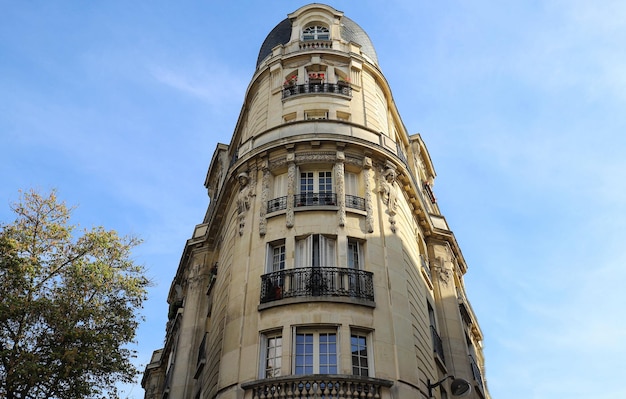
478, 377
319, 386
342, 89
328, 282
314, 199
437, 344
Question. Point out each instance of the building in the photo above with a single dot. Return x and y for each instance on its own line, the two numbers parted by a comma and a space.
323, 267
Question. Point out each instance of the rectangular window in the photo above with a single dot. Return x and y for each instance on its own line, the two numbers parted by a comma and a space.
280, 185
355, 254
315, 114
315, 352
272, 361
352, 183
274, 281
316, 188
276, 256
359, 350
316, 250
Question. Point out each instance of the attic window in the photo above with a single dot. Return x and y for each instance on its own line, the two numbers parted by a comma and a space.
315, 33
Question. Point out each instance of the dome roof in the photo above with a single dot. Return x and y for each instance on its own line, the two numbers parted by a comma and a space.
350, 32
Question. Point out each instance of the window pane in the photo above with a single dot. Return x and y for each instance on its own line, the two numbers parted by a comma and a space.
358, 348
306, 182
273, 356
304, 354
278, 257
353, 254
325, 182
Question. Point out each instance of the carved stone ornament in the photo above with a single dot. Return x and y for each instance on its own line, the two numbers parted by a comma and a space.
389, 192
246, 191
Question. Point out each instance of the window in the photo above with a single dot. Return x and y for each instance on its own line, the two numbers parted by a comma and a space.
353, 191
355, 254
274, 282
278, 200
315, 250
315, 33
316, 188
315, 352
359, 350
276, 256
273, 352
315, 114
343, 116
436, 340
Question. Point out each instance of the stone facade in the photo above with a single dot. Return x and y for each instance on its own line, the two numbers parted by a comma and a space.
323, 266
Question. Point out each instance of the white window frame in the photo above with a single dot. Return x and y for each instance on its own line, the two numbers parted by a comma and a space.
271, 355
274, 264
313, 350
354, 255
321, 181
369, 353
316, 32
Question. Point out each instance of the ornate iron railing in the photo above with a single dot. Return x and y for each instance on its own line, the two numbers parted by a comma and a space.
276, 204
316, 88
437, 344
352, 201
319, 386
315, 199
317, 282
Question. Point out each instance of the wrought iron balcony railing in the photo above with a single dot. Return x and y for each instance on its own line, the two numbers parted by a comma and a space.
317, 282
352, 201
277, 204
314, 199
317, 88
437, 344
318, 386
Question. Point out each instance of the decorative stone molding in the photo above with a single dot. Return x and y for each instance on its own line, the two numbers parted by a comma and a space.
243, 199
443, 271
316, 157
265, 193
389, 192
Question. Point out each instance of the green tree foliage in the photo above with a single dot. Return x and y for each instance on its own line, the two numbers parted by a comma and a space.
68, 305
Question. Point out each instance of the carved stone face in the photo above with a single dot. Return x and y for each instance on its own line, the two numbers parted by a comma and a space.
390, 175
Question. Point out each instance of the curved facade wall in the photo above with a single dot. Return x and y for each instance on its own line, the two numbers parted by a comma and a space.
323, 266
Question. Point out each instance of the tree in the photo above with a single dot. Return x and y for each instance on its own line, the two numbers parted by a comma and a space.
68, 305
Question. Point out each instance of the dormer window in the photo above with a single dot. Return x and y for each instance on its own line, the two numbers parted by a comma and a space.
316, 32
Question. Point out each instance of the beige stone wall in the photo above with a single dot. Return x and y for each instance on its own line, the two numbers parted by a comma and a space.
272, 139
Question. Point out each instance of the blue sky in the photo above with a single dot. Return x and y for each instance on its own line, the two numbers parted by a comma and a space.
522, 104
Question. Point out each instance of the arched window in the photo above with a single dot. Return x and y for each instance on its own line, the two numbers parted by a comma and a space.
315, 32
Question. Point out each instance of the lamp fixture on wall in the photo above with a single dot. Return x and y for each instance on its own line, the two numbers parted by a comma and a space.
459, 386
